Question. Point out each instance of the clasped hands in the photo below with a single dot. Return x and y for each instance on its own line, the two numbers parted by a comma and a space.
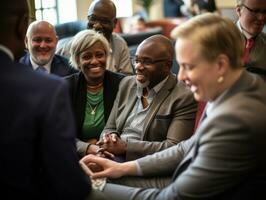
108, 146
112, 143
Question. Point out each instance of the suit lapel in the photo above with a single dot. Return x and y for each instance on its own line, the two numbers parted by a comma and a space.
132, 98
157, 101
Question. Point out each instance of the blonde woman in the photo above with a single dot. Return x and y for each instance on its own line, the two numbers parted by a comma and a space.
93, 89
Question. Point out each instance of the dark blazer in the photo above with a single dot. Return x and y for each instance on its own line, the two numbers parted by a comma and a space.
169, 120
78, 90
59, 65
37, 136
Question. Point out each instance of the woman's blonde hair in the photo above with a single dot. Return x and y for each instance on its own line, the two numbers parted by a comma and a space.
215, 35
82, 41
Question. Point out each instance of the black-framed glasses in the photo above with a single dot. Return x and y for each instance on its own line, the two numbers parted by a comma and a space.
255, 12
102, 20
146, 61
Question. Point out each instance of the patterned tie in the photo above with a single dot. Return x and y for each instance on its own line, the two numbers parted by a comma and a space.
248, 45
41, 69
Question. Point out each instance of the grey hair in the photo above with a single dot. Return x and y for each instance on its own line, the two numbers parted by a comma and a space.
84, 40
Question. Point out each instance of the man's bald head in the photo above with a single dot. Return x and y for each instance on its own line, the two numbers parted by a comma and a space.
160, 43
39, 25
41, 41
108, 5
153, 60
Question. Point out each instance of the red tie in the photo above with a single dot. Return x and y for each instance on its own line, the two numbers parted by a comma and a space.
200, 109
249, 44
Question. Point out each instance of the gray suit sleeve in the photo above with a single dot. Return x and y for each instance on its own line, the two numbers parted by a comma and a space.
217, 164
165, 162
81, 147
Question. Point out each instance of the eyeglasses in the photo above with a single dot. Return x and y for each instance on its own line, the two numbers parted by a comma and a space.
146, 61
102, 20
255, 12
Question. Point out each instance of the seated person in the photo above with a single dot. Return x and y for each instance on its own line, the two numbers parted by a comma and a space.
102, 18
251, 21
139, 25
225, 159
41, 41
92, 90
151, 111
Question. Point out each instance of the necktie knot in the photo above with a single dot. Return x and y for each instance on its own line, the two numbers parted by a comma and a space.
41, 69
249, 43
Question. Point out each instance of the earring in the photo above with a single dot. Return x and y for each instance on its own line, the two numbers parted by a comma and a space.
220, 79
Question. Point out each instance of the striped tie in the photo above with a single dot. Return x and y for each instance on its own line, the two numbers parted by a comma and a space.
248, 45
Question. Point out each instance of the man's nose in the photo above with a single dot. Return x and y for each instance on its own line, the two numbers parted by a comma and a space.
43, 43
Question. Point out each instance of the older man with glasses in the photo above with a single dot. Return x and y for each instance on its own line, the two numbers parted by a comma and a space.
102, 18
151, 111
252, 19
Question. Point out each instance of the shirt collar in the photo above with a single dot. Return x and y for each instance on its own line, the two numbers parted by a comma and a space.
212, 104
7, 51
154, 90
47, 66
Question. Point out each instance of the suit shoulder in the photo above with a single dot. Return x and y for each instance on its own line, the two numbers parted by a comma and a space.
24, 59
183, 89
61, 59
117, 39
115, 75
128, 80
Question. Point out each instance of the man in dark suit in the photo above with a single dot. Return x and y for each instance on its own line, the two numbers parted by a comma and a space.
37, 134
41, 41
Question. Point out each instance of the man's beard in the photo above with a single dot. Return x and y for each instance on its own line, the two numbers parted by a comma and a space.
143, 85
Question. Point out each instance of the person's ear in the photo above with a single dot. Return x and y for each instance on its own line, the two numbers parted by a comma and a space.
26, 40
56, 40
22, 26
114, 22
223, 63
238, 10
169, 64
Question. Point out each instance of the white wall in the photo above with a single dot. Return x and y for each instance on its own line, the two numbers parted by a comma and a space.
67, 10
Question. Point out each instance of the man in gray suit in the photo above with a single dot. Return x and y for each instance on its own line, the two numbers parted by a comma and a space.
225, 158
151, 112
252, 18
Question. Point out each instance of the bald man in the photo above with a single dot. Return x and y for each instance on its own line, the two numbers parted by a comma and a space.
37, 133
102, 17
151, 112
41, 41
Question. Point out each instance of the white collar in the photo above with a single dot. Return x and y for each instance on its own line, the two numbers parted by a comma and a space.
47, 66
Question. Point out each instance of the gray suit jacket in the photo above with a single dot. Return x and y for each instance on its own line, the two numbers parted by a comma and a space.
258, 52
169, 120
225, 158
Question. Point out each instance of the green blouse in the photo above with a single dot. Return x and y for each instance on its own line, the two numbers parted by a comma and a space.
94, 115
